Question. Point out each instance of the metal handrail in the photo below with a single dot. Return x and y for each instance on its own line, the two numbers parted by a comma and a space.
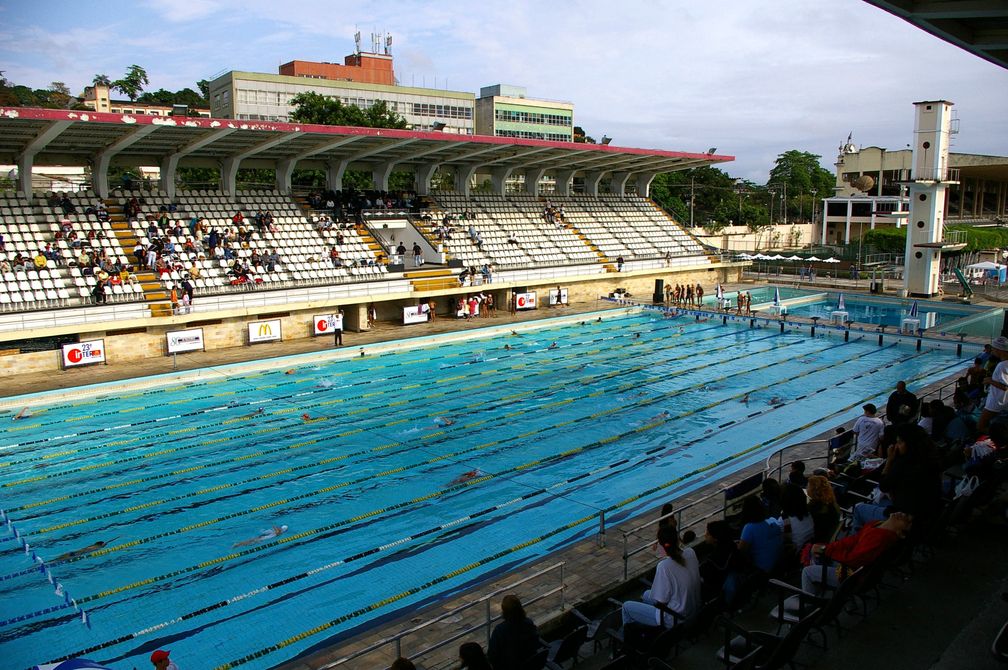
488, 623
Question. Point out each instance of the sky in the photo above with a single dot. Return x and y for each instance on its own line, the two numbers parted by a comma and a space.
753, 78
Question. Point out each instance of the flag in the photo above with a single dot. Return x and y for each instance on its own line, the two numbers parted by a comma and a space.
913, 311
776, 297
840, 304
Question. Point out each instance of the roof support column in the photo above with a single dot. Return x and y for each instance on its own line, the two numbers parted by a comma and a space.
532, 177
464, 175
26, 159
499, 177
422, 176
619, 182
563, 181
334, 174
284, 170
380, 175
644, 180
229, 175
169, 163
100, 165
592, 180
169, 166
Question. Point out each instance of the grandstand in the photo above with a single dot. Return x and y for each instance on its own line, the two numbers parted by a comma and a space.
307, 256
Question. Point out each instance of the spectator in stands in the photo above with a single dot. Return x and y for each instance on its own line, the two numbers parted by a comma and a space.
194, 270
213, 239
5, 265
67, 205
910, 479
472, 657
799, 527
853, 552
515, 639
676, 585
271, 260
402, 664
98, 292
973, 380
868, 434
188, 289
902, 404
721, 564
761, 537
52, 254
189, 246
619, 263
3, 243
770, 496
238, 219
485, 271
997, 383
796, 475
133, 208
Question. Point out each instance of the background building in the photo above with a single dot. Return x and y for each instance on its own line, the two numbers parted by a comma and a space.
99, 99
504, 111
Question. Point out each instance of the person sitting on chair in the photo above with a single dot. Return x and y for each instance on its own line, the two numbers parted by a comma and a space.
676, 585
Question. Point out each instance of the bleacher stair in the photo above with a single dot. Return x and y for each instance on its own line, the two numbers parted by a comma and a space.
431, 280
606, 262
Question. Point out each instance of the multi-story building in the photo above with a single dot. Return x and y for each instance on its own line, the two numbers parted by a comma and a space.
99, 99
505, 111
363, 79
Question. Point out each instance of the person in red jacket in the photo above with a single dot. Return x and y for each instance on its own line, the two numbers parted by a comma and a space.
829, 561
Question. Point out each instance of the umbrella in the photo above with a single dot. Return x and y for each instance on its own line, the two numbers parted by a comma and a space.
794, 258
719, 292
913, 311
777, 257
986, 265
761, 257
72, 664
745, 257
831, 260
776, 296
813, 258
840, 307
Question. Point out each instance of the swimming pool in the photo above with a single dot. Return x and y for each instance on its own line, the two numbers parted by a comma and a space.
181, 481
980, 321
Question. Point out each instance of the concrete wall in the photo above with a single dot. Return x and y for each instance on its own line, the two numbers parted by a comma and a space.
137, 344
740, 238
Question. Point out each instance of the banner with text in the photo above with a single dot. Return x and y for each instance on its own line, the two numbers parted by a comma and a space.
83, 353
326, 324
415, 314
185, 340
525, 300
264, 331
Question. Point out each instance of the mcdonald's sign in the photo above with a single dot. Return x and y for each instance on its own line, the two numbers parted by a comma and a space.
264, 331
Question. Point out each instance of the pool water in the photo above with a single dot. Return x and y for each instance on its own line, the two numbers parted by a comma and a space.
890, 312
400, 478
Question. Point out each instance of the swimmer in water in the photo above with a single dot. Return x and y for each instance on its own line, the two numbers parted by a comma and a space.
598, 320
252, 415
77, 553
444, 422
267, 534
507, 347
516, 333
636, 336
23, 414
776, 400
465, 477
745, 399
553, 346
290, 372
306, 417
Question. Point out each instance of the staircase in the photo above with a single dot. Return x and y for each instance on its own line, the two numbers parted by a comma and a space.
157, 297
432, 280
606, 262
362, 232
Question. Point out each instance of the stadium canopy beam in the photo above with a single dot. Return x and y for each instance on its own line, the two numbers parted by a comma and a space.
335, 170
644, 180
99, 173
532, 177
26, 158
169, 163
423, 174
285, 168
592, 180
619, 181
563, 181
229, 169
499, 177
463, 175
553, 158
512, 158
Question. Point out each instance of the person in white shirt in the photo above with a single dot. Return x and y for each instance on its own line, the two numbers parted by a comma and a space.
997, 385
676, 585
868, 429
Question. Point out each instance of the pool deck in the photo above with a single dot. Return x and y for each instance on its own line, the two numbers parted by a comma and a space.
592, 569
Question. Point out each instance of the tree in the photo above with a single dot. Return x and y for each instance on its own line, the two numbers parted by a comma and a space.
204, 88
59, 95
803, 174
132, 83
313, 107
580, 136
101, 80
186, 96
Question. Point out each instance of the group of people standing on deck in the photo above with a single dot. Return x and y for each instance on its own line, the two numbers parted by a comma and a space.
684, 295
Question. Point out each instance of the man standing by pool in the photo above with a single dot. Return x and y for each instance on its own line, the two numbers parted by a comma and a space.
338, 326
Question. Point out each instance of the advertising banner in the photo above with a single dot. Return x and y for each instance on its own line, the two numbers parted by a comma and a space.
264, 331
525, 300
185, 340
415, 314
558, 297
325, 324
83, 353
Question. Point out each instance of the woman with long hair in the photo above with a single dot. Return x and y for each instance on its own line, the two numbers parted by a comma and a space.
676, 585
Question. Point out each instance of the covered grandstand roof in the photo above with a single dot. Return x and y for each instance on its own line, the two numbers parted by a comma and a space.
62, 137
978, 26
